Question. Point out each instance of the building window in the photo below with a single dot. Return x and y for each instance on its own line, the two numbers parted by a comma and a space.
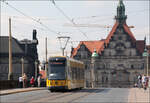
106, 79
120, 38
132, 66
102, 79
110, 53
142, 66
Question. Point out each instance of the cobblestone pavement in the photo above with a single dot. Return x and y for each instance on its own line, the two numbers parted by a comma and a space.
98, 95
137, 95
18, 90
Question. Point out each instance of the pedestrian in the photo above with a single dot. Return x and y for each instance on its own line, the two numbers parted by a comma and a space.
144, 82
32, 81
20, 82
39, 81
149, 81
24, 80
139, 81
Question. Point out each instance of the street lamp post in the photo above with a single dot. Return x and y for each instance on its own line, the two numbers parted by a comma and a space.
46, 64
22, 64
146, 55
36, 67
10, 75
147, 63
94, 57
22, 61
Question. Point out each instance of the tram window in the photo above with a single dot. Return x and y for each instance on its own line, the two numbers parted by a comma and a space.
56, 72
80, 73
77, 73
73, 73
75, 69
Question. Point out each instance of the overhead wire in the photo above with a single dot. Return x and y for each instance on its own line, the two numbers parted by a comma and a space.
38, 21
30, 25
63, 13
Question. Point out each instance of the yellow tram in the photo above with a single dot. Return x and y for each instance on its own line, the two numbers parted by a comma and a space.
64, 73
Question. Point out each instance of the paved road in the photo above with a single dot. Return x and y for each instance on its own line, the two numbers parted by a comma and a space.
84, 96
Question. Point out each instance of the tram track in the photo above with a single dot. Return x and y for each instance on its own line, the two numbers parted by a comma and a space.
73, 97
53, 96
83, 96
35, 98
59, 97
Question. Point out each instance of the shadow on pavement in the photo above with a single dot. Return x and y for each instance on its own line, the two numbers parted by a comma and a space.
95, 90
85, 90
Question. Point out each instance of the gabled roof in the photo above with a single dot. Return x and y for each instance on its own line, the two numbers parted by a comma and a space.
111, 33
4, 45
99, 45
90, 45
126, 28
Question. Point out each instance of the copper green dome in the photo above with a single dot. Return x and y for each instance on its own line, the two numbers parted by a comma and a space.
94, 54
145, 53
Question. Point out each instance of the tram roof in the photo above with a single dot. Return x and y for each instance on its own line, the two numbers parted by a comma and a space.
68, 58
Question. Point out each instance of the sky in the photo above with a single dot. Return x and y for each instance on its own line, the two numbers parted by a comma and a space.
56, 20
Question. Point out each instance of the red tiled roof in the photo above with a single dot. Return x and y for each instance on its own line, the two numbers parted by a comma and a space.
99, 45
140, 45
111, 33
90, 45
127, 30
42, 72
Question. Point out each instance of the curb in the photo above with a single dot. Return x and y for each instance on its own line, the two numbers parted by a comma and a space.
19, 91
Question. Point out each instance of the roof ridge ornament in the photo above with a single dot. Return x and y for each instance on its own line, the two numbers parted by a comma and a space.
121, 17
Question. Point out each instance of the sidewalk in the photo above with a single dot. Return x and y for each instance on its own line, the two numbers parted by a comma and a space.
18, 90
137, 95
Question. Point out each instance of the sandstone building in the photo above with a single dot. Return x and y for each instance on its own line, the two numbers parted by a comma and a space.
115, 61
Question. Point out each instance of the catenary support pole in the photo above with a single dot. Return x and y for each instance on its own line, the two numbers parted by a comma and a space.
10, 52
46, 65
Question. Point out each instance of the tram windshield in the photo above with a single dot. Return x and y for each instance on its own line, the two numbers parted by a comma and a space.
57, 70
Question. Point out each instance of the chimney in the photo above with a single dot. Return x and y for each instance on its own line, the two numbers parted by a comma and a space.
34, 34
